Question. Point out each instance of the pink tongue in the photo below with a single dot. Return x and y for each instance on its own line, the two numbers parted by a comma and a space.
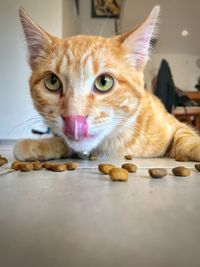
76, 127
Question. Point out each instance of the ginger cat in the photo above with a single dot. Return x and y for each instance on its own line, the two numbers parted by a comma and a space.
90, 91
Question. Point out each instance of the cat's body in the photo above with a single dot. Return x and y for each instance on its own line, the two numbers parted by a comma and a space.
90, 91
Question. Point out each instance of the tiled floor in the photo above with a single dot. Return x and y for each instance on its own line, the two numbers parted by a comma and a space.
81, 218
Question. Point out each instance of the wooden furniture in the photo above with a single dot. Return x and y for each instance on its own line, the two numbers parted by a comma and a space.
193, 95
190, 115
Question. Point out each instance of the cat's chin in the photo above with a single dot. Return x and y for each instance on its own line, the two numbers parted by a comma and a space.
86, 144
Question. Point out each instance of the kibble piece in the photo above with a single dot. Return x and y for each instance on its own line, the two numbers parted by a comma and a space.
25, 166
37, 165
3, 161
197, 166
118, 174
129, 167
128, 157
15, 165
157, 172
181, 171
56, 167
47, 165
105, 168
71, 165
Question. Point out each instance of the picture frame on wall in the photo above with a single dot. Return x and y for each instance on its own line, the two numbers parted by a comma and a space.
106, 8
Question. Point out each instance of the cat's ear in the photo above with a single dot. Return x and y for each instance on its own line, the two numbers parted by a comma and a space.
137, 43
38, 41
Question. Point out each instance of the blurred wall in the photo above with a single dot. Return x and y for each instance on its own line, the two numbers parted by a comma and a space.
94, 26
71, 21
183, 67
15, 102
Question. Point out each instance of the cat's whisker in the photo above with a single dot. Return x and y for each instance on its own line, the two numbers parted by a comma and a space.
77, 18
101, 31
125, 29
105, 22
36, 118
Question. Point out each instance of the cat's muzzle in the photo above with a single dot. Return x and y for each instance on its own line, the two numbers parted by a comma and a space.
75, 127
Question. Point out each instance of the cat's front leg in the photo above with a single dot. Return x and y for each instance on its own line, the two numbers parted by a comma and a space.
186, 145
43, 149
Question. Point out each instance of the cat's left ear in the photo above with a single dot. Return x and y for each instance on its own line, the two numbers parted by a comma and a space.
137, 43
38, 41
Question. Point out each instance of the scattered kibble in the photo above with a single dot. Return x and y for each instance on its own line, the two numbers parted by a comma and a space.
129, 167
197, 166
105, 168
128, 157
71, 165
118, 174
3, 161
56, 167
25, 166
157, 172
15, 165
37, 165
181, 171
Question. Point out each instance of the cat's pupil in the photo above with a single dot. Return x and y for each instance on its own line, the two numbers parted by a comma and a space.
53, 79
103, 80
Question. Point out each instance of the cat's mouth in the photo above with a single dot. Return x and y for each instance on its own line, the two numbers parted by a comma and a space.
80, 135
76, 128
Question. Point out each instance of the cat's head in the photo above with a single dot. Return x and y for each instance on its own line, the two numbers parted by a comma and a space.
88, 88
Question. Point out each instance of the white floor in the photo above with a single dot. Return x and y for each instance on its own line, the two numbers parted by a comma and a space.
81, 218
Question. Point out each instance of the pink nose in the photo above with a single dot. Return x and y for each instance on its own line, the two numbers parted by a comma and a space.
75, 127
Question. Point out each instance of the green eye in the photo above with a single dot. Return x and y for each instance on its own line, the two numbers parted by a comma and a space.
52, 82
104, 83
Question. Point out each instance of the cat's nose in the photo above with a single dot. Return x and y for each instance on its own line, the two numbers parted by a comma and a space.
75, 127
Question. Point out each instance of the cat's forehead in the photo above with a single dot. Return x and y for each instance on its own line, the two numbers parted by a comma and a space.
86, 54
81, 44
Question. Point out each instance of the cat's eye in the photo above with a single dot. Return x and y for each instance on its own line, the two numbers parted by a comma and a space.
52, 82
103, 83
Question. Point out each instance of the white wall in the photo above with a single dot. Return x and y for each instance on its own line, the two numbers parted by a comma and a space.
59, 18
94, 26
183, 67
71, 25
15, 102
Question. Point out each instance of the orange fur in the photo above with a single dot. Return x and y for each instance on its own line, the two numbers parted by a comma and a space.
131, 119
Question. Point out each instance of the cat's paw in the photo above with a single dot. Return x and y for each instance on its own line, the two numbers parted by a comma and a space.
195, 153
27, 150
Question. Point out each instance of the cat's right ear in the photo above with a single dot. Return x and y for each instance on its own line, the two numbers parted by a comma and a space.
137, 43
38, 40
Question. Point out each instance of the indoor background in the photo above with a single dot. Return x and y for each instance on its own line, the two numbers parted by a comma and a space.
61, 18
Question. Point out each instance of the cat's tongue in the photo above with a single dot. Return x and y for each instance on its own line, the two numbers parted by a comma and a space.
75, 127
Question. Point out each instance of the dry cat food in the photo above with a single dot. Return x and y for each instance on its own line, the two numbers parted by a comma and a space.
15, 165
71, 165
56, 167
197, 166
24, 166
181, 171
3, 161
128, 157
37, 165
105, 168
157, 172
129, 167
118, 174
